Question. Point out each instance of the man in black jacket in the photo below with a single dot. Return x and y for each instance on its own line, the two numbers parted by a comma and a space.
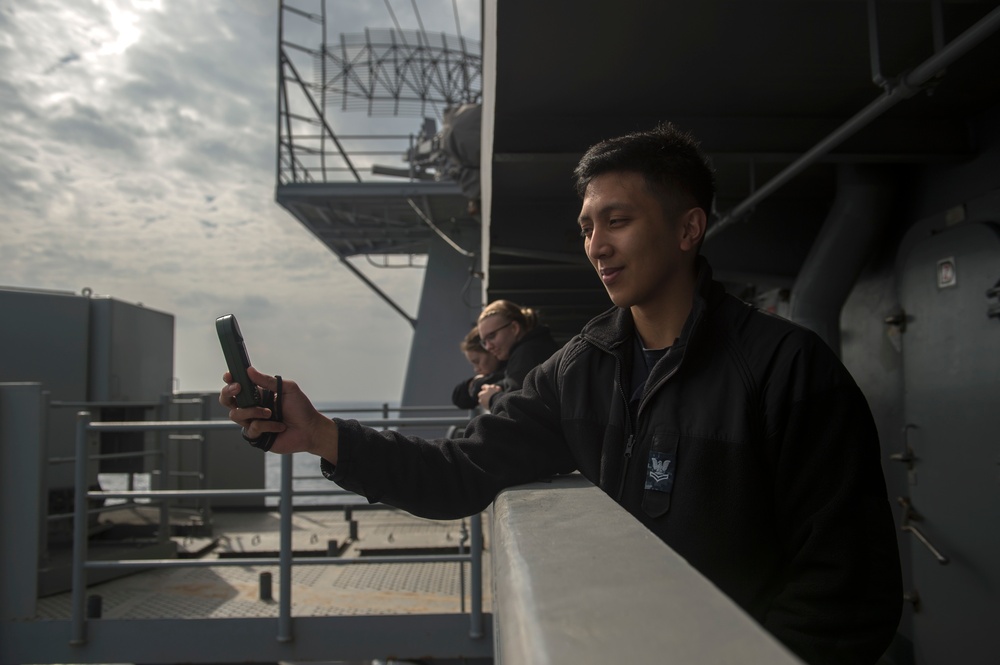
737, 437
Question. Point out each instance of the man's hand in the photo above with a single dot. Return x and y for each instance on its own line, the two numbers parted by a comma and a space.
304, 428
486, 393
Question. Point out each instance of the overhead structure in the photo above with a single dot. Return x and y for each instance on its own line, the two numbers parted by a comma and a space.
399, 72
392, 198
330, 181
771, 89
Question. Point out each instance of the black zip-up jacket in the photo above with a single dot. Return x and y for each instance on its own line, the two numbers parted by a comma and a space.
465, 395
527, 353
753, 454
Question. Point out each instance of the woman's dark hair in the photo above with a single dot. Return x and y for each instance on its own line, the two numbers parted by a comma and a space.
670, 160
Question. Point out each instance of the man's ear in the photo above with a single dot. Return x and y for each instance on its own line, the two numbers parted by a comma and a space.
692, 227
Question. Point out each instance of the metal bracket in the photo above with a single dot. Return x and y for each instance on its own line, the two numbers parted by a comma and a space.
910, 514
906, 457
897, 320
994, 310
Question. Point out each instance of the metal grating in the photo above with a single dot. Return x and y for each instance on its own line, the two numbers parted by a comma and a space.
318, 590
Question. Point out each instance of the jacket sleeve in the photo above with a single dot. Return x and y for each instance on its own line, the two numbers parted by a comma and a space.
520, 363
462, 397
842, 594
450, 478
524, 357
518, 366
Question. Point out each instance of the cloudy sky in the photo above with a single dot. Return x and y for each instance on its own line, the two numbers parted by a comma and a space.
137, 159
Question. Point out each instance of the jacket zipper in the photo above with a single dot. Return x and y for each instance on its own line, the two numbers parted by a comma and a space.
628, 456
649, 393
631, 436
630, 441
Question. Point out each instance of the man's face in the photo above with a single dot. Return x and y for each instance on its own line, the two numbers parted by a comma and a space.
631, 242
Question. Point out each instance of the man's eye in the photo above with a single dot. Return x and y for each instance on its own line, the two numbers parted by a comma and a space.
586, 231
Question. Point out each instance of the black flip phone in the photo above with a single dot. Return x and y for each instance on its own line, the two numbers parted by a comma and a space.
237, 359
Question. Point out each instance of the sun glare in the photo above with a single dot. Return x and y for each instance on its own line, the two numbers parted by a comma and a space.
124, 25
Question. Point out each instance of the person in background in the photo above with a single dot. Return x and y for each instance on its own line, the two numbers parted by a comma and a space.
513, 334
487, 367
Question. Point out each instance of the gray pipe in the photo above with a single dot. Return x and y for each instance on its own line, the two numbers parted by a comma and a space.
841, 250
904, 88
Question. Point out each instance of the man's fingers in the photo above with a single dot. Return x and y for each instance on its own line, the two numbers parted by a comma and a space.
249, 414
254, 428
228, 395
261, 379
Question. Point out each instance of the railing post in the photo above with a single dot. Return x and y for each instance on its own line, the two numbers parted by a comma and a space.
476, 577
203, 480
79, 628
285, 552
163, 441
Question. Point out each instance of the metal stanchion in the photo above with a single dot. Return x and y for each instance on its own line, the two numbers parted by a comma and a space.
285, 565
79, 628
476, 577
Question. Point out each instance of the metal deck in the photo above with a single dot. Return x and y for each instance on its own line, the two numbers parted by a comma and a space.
318, 590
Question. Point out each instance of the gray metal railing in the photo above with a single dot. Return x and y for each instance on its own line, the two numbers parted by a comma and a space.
562, 595
284, 561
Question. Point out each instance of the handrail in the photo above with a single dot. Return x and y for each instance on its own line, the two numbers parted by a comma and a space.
563, 596
70, 460
81, 404
186, 425
385, 407
285, 560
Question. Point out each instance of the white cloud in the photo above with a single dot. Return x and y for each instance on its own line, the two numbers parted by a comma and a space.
138, 143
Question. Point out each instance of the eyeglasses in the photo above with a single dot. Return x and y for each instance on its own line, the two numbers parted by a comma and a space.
488, 339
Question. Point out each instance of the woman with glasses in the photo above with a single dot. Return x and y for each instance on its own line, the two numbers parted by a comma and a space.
513, 334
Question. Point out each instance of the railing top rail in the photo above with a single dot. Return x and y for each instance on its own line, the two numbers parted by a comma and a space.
185, 425
381, 409
99, 404
655, 604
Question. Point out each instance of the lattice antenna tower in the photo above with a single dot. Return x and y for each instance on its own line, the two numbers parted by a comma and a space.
394, 72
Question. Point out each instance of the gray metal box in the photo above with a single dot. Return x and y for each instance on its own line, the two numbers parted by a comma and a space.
131, 352
44, 339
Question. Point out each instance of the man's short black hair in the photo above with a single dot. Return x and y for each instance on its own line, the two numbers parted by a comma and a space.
670, 160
